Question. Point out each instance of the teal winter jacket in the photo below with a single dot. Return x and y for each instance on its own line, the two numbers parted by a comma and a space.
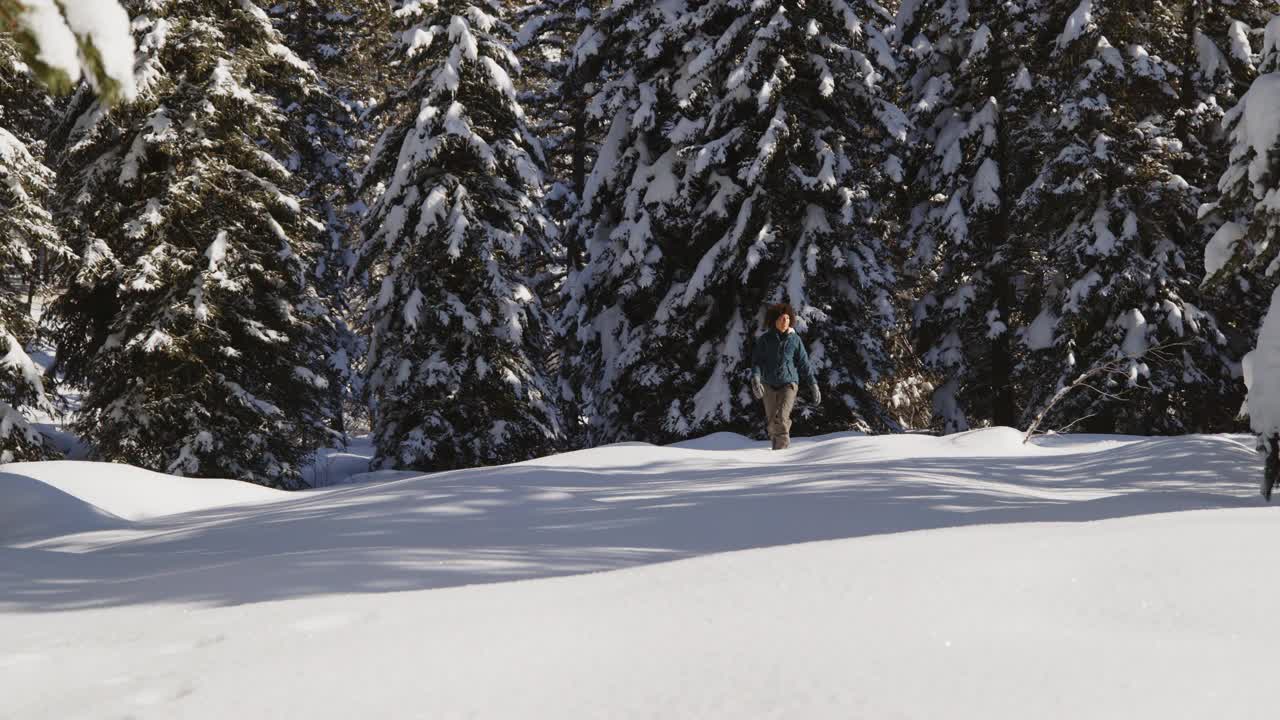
780, 358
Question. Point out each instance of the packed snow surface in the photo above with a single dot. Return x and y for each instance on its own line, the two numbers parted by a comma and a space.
906, 576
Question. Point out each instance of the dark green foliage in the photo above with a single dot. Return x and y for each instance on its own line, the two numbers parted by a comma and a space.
28, 241
749, 152
329, 125
975, 102
192, 323
1114, 231
458, 338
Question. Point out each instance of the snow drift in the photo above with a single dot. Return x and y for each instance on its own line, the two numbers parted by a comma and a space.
965, 576
31, 509
136, 494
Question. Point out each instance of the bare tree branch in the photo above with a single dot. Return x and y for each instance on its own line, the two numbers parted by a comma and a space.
1115, 366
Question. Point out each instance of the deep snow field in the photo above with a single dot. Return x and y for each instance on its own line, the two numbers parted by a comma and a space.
907, 576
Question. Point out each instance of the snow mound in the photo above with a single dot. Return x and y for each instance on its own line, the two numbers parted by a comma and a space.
833, 448
718, 441
131, 493
31, 509
220, 541
971, 575
988, 441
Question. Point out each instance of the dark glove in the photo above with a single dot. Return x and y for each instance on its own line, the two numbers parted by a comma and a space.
815, 394
756, 388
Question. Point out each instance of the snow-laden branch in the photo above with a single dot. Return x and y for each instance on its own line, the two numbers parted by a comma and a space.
67, 40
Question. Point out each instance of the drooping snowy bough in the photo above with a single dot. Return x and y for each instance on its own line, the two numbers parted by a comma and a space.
458, 338
66, 40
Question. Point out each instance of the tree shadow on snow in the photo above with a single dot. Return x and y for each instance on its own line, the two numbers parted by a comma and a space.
541, 519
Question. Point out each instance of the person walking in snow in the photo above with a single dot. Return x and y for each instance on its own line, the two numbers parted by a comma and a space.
779, 362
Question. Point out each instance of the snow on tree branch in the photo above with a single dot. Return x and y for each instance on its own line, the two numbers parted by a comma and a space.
67, 40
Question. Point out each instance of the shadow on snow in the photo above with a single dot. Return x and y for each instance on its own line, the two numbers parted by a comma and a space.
549, 518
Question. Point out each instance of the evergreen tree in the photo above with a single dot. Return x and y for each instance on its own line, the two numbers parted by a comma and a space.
1239, 254
555, 94
1113, 227
749, 151
1214, 53
329, 127
1220, 62
27, 235
975, 105
458, 338
556, 45
25, 110
191, 322
40, 42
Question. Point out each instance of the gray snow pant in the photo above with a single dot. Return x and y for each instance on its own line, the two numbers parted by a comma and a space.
778, 401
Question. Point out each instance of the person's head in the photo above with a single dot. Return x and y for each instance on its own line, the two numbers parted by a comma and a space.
780, 317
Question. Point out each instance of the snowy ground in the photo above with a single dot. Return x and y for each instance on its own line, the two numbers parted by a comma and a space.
1053, 580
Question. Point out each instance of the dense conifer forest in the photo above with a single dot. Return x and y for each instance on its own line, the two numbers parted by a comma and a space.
234, 232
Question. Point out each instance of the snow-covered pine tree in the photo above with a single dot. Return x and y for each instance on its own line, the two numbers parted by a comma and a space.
747, 161
1215, 60
1114, 233
26, 234
328, 125
191, 324
1249, 239
455, 364
974, 101
1220, 38
555, 92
